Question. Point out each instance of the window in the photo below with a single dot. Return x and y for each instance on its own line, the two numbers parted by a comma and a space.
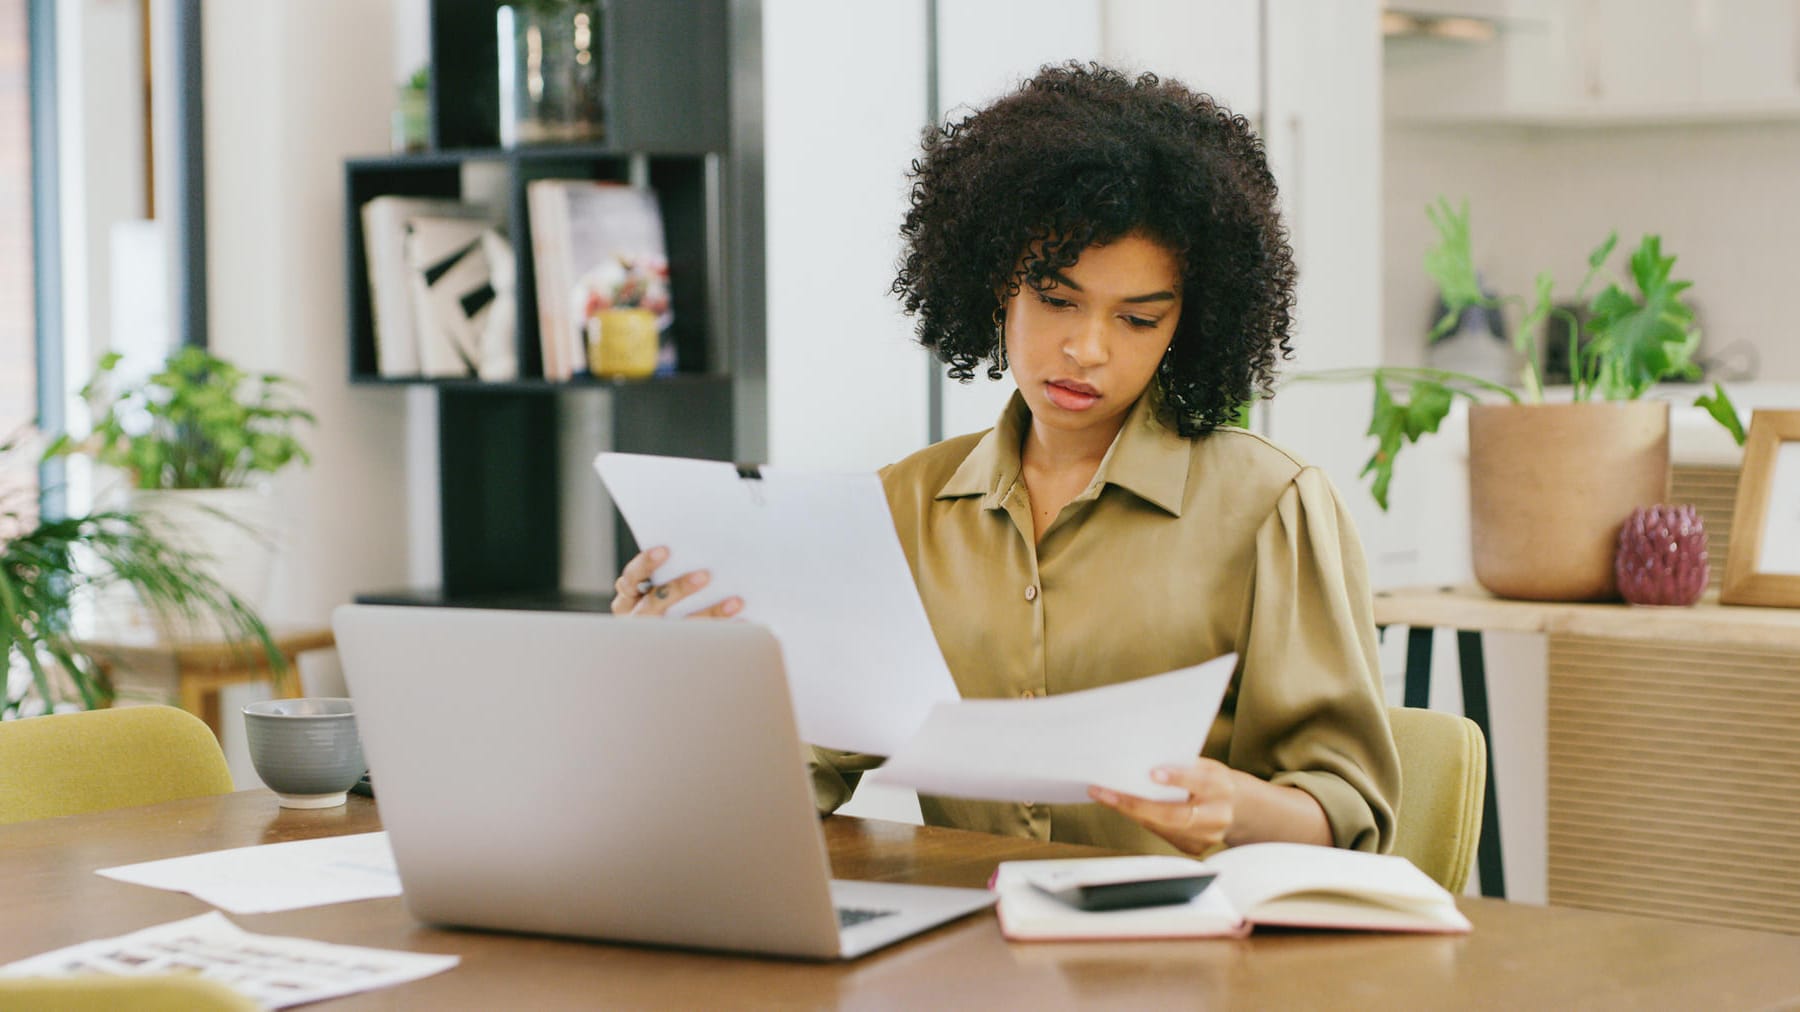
18, 358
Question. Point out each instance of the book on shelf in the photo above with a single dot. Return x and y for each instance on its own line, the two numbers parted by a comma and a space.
393, 299
595, 245
461, 275
1292, 885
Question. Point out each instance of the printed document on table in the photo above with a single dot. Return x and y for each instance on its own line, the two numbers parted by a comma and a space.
271, 969
815, 558
276, 876
1049, 750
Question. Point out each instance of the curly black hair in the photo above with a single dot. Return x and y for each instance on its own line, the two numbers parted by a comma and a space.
1081, 155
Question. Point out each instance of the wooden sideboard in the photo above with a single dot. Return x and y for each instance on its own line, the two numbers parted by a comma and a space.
1673, 739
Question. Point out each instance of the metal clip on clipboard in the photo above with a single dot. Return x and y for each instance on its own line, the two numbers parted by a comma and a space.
751, 475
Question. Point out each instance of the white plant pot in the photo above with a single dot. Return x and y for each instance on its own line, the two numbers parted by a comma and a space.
233, 532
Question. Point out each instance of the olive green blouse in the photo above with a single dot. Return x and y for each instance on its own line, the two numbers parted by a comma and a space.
1178, 551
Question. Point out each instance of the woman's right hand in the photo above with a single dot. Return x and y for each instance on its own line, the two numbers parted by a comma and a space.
637, 594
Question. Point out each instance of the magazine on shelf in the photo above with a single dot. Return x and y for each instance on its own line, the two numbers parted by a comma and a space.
459, 269
596, 245
392, 297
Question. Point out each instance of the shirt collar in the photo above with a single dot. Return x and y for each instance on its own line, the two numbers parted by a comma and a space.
1146, 459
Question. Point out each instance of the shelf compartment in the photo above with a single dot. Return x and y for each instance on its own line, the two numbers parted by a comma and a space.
436, 597
686, 197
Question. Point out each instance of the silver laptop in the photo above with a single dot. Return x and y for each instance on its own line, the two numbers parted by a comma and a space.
634, 780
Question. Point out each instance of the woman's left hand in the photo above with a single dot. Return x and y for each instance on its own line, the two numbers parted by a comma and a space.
1194, 825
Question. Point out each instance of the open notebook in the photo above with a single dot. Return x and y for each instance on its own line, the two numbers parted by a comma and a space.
1286, 884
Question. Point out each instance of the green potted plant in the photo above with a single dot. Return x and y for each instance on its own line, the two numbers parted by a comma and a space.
48, 564
197, 441
1550, 482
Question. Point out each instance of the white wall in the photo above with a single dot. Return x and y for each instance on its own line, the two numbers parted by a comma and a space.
1725, 198
412, 37
1322, 126
1212, 46
424, 527
844, 101
278, 128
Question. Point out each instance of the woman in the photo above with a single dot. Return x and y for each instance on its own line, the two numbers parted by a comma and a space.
1114, 244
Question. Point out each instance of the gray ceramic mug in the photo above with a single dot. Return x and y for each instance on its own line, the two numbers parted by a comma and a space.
305, 750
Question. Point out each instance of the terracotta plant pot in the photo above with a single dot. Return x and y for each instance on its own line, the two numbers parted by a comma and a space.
1551, 484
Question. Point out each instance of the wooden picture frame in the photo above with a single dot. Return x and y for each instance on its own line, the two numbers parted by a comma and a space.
1762, 566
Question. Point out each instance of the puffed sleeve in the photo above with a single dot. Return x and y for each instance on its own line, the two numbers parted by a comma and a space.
835, 775
1310, 708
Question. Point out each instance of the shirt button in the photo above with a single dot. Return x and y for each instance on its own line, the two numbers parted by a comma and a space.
1031, 592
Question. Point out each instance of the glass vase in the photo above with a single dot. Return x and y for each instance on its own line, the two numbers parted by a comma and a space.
551, 80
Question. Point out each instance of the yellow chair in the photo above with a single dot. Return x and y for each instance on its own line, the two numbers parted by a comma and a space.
1443, 774
149, 993
69, 763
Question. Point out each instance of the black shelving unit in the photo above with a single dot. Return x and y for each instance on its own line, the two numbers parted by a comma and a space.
685, 198
668, 71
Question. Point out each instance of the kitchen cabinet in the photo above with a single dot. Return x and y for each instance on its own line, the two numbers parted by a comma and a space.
1604, 62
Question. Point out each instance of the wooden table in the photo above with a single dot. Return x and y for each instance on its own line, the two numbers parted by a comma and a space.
1472, 608
1709, 627
193, 671
1518, 956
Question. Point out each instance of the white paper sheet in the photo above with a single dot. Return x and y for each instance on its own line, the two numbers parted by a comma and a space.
1049, 750
274, 970
276, 876
816, 560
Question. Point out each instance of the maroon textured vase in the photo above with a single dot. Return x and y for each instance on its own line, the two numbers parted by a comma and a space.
1662, 556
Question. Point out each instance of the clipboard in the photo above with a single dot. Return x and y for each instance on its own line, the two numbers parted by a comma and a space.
815, 558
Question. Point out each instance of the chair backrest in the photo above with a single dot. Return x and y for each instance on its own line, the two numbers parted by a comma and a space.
1443, 776
68, 763
148, 993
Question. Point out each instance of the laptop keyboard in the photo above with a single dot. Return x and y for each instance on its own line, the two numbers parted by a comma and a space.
851, 916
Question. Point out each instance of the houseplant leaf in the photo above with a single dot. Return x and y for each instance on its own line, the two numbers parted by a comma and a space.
1387, 423
1451, 263
1601, 252
1525, 338
1718, 405
199, 422
1640, 340
40, 578
1394, 423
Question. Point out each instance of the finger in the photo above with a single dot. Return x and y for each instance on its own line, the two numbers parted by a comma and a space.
724, 609
628, 588
664, 596
1194, 828
1203, 779
640, 569
1171, 815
